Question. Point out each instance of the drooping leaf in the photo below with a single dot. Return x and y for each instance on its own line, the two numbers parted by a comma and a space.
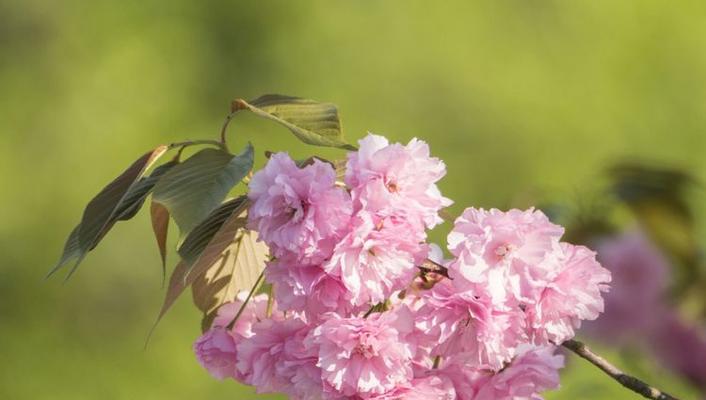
237, 269
136, 196
311, 121
208, 247
197, 240
159, 216
192, 189
71, 252
113, 202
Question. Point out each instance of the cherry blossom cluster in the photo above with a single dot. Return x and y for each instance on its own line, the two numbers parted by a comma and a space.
355, 317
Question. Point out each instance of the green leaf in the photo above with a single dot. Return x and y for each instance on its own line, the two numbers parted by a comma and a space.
237, 269
72, 251
136, 196
120, 199
197, 240
311, 121
192, 189
228, 226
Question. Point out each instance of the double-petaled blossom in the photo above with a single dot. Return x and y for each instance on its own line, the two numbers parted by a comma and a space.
355, 318
377, 257
518, 258
364, 356
298, 212
263, 359
308, 289
465, 324
532, 371
571, 296
397, 180
511, 253
216, 348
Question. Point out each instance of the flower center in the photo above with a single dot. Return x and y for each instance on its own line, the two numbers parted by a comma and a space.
364, 347
503, 250
391, 187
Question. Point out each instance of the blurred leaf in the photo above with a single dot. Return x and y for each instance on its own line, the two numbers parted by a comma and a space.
159, 216
116, 201
238, 268
192, 189
207, 242
311, 121
634, 182
71, 252
657, 198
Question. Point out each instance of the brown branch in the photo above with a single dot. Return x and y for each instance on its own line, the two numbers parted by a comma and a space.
630, 382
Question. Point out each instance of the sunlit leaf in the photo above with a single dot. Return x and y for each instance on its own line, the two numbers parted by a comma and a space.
120, 199
311, 121
192, 189
208, 247
196, 241
237, 269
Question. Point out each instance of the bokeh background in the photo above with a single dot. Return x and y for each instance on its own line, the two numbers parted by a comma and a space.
526, 101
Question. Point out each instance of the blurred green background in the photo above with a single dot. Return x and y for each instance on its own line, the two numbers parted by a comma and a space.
523, 99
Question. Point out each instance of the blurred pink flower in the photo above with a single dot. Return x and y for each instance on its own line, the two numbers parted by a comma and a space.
640, 280
298, 212
681, 347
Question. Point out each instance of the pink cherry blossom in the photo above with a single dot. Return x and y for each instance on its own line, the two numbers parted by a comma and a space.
573, 295
298, 211
425, 388
483, 332
466, 324
363, 356
261, 358
307, 289
216, 348
376, 258
513, 253
254, 311
392, 179
533, 371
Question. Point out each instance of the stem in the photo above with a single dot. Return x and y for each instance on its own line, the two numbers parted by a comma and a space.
196, 142
247, 300
225, 127
630, 382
